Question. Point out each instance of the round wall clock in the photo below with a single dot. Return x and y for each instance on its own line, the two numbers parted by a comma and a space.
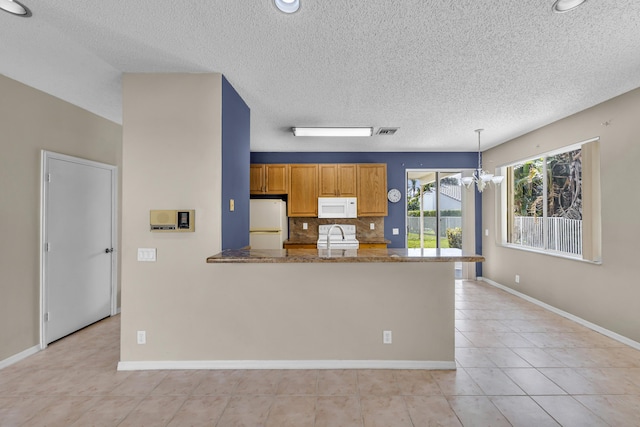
394, 195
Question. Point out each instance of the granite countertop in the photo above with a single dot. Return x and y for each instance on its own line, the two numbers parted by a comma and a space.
342, 255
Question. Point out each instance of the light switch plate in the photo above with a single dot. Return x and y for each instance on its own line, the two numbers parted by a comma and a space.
372, 226
396, 231
147, 254
232, 205
305, 225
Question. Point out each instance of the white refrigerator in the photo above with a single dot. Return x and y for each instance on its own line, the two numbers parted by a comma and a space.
268, 225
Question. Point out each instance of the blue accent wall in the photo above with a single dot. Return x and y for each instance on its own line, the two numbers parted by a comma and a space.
236, 143
397, 164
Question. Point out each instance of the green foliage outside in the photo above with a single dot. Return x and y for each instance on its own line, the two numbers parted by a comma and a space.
454, 237
414, 188
413, 192
564, 183
413, 204
528, 188
413, 241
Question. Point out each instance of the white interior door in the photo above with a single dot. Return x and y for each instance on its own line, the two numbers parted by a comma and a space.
78, 244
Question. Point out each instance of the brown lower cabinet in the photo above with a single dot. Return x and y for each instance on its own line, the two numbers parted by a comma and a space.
373, 245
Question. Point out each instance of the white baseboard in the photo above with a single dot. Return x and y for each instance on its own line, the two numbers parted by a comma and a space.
285, 364
20, 356
586, 323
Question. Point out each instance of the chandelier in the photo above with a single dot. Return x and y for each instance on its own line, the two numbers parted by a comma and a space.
481, 177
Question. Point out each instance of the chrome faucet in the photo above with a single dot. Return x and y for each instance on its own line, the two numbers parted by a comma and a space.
329, 234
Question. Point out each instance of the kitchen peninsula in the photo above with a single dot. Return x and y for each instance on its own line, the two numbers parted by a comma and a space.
313, 309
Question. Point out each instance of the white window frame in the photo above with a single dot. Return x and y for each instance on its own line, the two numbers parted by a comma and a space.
591, 241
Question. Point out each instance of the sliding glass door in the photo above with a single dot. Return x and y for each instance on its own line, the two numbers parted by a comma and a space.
434, 209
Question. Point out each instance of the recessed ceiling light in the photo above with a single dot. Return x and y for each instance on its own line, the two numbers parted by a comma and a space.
326, 131
15, 8
287, 6
561, 6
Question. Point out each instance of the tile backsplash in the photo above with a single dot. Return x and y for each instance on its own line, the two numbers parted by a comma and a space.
363, 228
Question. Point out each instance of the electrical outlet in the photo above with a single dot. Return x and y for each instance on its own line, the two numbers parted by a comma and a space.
305, 226
517, 278
372, 226
386, 337
142, 337
395, 231
147, 254
486, 231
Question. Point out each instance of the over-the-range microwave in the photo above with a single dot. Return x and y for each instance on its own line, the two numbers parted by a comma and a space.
337, 207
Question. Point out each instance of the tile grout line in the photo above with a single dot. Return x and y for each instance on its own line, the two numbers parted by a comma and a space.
359, 395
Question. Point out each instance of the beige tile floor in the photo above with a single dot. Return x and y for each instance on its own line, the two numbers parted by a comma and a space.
517, 365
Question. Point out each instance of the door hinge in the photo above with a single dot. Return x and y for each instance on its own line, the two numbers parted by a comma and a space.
46, 317
48, 177
47, 247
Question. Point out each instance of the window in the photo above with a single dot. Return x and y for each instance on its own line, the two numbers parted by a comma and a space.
552, 202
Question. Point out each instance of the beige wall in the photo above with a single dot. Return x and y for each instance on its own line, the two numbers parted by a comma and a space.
608, 294
298, 311
171, 160
31, 121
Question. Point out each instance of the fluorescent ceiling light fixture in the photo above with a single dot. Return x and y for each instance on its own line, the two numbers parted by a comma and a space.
350, 131
287, 6
15, 8
561, 6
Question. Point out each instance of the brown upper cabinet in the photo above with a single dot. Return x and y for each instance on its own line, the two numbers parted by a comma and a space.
372, 189
337, 180
268, 179
303, 190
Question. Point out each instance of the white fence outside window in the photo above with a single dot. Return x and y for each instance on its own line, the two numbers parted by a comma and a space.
563, 235
413, 224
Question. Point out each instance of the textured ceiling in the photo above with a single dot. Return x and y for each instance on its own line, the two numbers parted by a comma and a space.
435, 69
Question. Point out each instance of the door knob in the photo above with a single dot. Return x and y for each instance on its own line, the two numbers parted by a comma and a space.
108, 250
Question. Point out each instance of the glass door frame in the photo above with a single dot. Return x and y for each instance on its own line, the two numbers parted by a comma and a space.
437, 172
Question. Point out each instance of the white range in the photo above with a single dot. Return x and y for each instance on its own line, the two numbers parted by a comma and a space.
343, 236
